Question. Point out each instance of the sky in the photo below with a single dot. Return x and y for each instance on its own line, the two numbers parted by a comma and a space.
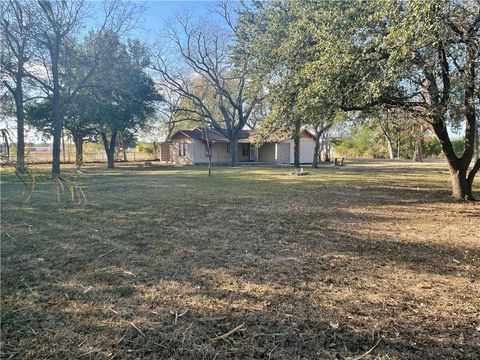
158, 11
153, 20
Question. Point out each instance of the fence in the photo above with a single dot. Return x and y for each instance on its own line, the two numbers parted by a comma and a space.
42, 156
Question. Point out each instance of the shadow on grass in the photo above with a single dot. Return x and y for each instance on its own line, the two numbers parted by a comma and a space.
312, 268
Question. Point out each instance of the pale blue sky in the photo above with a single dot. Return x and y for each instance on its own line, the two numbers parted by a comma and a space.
159, 11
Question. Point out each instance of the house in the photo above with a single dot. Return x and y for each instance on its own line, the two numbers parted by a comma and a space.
190, 147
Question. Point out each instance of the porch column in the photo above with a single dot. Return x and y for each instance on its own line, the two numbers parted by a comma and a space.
254, 152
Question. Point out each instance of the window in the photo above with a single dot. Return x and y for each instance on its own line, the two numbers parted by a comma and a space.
245, 149
228, 147
182, 148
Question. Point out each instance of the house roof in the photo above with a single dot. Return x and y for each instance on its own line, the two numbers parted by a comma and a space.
278, 135
246, 136
214, 136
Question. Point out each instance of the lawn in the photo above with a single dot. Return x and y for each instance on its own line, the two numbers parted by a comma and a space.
167, 263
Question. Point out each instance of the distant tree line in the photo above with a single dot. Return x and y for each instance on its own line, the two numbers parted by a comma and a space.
369, 142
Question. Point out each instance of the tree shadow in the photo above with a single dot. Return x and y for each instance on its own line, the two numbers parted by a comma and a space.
312, 270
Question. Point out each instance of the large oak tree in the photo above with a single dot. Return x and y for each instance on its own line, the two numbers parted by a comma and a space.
203, 50
421, 57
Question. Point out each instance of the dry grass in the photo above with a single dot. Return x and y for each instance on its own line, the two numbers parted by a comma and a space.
161, 262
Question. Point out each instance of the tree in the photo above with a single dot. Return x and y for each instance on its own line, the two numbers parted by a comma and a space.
40, 116
122, 96
125, 140
16, 43
204, 52
79, 126
360, 141
59, 25
278, 38
421, 57
177, 112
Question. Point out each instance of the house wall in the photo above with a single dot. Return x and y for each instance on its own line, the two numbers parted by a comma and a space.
307, 148
219, 153
266, 152
195, 151
189, 151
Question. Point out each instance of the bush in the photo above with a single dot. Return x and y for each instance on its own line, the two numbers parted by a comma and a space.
361, 142
432, 147
148, 148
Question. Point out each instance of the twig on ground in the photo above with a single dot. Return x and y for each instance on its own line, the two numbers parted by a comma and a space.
365, 354
83, 342
136, 328
90, 352
29, 288
108, 252
177, 316
238, 328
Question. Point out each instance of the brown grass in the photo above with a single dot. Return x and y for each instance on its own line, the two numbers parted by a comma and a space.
161, 262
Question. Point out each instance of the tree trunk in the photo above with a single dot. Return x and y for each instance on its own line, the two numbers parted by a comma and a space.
326, 146
320, 150
209, 159
56, 107
471, 175
209, 148
78, 140
462, 183
20, 122
122, 147
316, 151
418, 152
109, 148
63, 147
390, 149
461, 188
389, 142
234, 151
476, 144
57, 134
110, 159
296, 144
155, 150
